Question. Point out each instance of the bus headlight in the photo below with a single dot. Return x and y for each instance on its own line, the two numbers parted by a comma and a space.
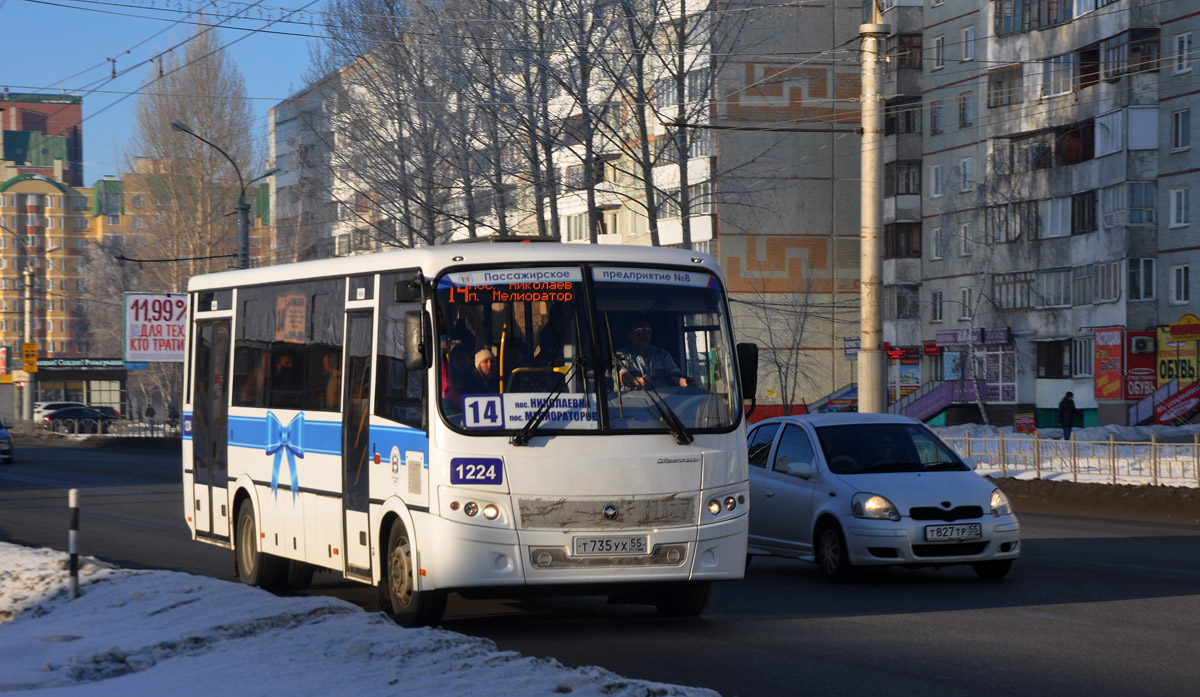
714, 507
490, 512
471, 508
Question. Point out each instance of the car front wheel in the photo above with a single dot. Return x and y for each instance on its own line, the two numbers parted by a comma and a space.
832, 556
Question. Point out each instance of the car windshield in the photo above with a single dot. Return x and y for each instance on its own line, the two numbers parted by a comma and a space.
579, 349
885, 447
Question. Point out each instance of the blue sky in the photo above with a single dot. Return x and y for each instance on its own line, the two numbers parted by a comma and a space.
48, 46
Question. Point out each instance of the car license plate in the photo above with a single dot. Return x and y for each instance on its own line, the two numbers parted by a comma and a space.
953, 533
609, 546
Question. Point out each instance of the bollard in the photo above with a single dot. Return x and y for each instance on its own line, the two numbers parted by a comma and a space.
1112, 456
1154, 457
73, 502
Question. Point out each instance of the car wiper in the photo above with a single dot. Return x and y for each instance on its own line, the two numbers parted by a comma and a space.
531, 426
945, 465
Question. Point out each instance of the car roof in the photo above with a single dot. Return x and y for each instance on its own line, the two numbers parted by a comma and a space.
840, 419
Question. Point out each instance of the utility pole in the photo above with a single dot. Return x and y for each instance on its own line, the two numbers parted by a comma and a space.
27, 393
872, 396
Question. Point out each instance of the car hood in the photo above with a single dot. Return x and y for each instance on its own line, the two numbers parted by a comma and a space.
910, 489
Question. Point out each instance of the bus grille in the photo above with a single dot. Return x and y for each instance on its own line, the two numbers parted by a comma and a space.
589, 514
557, 558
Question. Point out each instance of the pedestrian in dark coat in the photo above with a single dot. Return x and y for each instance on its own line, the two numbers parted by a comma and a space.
1066, 414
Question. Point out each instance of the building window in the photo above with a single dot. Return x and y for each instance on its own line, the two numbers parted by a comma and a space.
1181, 129
1180, 207
1083, 352
904, 51
937, 244
968, 43
1180, 284
700, 199
1008, 221
1011, 17
1013, 291
902, 177
965, 239
114, 219
577, 227
902, 241
1082, 284
1054, 359
966, 109
139, 201
964, 303
902, 301
1004, 86
1106, 277
1084, 6
1054, 288
1129, 203
1141, 279
939, 52
965, 167
1110, 131
1058, 74
935, 180
1083, 213
1130, 52
1183, 53
1056, 218
936, 113
668, 204
902, 118
935, 306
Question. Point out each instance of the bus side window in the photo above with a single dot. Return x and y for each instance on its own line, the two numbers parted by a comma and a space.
399, 392
287, 377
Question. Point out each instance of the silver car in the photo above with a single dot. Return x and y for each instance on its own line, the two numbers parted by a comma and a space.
6, 444
852, 490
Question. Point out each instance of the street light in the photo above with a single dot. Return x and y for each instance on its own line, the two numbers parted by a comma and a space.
243, 208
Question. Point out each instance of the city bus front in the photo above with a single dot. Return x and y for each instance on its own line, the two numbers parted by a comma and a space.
588, 431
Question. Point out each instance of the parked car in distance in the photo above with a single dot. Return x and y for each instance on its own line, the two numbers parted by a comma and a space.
40, 409
851, 490
107, 411
6, 444
77, 419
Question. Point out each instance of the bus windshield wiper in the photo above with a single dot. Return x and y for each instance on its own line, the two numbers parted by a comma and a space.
668, 416
522, 437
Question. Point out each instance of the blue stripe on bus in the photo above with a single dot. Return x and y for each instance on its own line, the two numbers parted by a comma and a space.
318, 437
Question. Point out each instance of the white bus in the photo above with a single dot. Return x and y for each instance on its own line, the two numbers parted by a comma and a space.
338, 415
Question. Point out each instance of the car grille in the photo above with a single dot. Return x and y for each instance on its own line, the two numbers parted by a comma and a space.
672, 510
947, 515
961, 549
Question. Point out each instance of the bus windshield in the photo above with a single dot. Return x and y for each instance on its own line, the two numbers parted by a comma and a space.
585, 348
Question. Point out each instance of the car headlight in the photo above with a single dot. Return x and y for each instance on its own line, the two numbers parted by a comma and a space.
1000, 503
873, 506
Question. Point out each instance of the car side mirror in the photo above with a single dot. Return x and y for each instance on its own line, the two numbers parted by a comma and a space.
747, 357
416, 340
800, 469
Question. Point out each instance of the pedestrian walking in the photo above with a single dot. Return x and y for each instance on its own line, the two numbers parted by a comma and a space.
1066, 414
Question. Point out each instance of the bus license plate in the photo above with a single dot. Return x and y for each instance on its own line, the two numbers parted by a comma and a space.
953, 533
609, 546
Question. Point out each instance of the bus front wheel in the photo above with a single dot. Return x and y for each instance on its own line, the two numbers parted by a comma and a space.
683, 599
254, 568
398, 590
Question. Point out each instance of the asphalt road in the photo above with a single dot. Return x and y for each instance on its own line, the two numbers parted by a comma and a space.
1095, 606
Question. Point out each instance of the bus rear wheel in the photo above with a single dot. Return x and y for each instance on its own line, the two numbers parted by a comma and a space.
398, 592
254, 568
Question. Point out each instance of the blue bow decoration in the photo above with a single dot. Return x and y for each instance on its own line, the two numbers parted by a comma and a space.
289, 439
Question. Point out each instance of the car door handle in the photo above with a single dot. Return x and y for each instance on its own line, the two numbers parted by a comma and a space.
768, 493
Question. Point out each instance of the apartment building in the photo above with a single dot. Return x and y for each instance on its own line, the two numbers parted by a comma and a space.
1038, 183
753, 157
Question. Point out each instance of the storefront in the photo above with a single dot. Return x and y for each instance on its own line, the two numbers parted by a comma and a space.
94, 381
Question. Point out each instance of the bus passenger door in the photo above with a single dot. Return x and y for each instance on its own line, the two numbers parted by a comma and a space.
356, 446
210, 419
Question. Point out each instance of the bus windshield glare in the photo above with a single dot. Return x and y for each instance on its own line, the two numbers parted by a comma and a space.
583, 349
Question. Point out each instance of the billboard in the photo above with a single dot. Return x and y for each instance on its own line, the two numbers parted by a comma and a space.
1110, 363
1141, 374
1176, 360
154, 327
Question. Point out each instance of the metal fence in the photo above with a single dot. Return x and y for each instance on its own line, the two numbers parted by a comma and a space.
115, 427
1112, 461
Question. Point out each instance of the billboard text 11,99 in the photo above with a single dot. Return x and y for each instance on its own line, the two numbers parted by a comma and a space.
155, 325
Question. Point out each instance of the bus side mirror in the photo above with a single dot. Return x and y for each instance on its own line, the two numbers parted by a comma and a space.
416, 340
747, 357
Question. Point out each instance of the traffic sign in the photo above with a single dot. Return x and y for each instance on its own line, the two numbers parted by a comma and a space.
29, 356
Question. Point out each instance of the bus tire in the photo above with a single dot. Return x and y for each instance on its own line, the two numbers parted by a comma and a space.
254, 568
298, 575
683, 599
398, 592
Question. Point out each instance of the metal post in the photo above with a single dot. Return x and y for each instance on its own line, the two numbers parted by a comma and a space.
243, 236
27, 393
73, 502
1112, 456
1037, 455
1154, 457
1074, 460
871, 378
1196, 456
1003, 455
